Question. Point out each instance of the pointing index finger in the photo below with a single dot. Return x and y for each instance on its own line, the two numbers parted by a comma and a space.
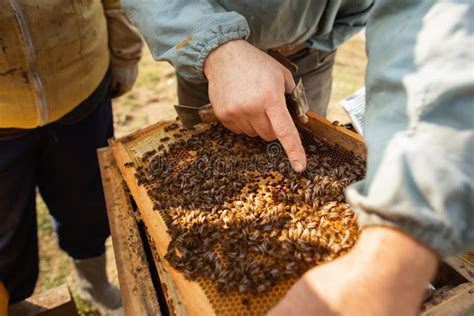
286, 132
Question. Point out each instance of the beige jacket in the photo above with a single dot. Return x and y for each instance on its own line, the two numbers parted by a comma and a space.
54, 53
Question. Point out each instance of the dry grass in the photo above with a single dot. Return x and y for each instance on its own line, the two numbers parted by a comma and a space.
152, 100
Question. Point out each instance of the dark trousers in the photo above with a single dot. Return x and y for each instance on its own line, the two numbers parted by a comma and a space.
314, 67
60, 159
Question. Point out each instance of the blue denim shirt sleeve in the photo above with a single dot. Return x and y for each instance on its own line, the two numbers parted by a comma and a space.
419, 123
185, 32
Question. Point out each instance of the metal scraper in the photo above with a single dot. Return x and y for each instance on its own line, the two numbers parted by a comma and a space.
296, 102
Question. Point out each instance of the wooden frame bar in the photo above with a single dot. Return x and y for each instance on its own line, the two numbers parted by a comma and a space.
335, 135
138, 293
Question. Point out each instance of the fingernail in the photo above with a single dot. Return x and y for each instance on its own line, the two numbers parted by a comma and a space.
297, 165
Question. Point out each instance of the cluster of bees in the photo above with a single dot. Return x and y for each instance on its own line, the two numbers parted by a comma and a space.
239, 215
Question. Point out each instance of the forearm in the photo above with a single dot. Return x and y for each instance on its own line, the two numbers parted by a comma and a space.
403, 263
391, 264
384, 274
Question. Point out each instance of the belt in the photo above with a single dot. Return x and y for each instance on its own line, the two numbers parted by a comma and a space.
288, 50
282, 53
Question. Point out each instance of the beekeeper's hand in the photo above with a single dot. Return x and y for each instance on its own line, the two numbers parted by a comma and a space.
247, 91
122, 79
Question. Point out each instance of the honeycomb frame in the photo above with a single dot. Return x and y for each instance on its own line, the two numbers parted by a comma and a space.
189, 297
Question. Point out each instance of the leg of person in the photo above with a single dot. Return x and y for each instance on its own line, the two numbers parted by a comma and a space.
18, 232
70, 184
315, 68
69, 181
192, 94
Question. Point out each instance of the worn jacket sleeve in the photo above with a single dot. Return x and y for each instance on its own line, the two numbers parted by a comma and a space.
419, 123
342, 20
184, 32
125, 41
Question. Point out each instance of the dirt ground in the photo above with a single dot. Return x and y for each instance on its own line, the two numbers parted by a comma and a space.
151, 100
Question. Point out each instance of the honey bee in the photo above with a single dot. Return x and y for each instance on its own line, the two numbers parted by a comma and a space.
129, 164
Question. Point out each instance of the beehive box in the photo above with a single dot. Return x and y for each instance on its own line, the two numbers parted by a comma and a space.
142, 288
204, 295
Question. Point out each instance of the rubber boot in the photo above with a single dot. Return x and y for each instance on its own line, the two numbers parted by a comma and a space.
95, 288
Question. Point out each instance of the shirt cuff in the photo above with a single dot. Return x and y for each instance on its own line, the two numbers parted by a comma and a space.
191, 53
